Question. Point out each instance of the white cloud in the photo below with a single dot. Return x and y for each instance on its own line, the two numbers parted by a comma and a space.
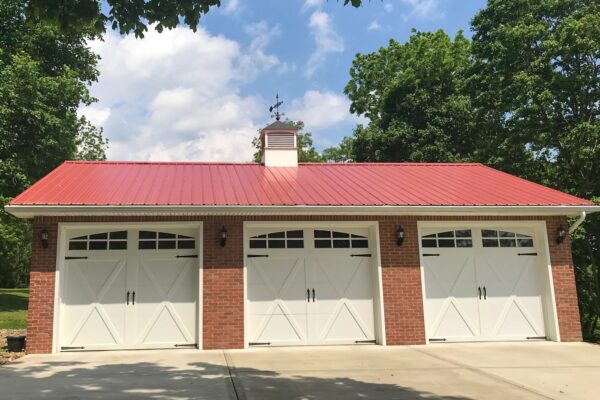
326, 39
320, 109
374, 26
424, 9
388, 7
175, 95
97, 116
308, 4
232, 7
256, 59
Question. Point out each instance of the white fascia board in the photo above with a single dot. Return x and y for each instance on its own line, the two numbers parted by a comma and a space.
30, 211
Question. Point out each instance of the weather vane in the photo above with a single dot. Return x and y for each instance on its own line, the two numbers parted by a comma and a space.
275, 107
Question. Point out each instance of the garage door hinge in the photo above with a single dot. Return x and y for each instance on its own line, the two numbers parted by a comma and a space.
366, 341
257, 255
72, 348
437, 339
360, 255
76, 258
527, 254
430, 255
188, 256
187, 345
259, 343
537, 338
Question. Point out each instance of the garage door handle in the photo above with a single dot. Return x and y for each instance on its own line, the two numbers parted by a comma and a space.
431, 255
75, 258
127, 298
479, 289
308, 295
133, 298
484, 293
527, 254
257, 255
313, 295
188, 256
360, 255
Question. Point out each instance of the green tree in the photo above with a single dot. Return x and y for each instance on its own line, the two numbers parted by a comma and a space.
415, 98
306, 149
341, 152
535, 83
125, 15
44, 74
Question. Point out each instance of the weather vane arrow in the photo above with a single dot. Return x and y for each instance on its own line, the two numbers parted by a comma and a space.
277, 115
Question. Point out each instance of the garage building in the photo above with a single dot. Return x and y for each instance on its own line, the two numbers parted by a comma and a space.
136, 255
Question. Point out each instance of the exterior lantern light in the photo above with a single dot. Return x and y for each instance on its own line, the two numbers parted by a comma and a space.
44, 238
400, 236
561, 234
223, 236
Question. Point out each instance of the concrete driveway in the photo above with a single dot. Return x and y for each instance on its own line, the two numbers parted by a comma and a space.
542, 370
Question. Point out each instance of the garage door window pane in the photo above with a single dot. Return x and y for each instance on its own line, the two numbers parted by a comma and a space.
490, 242
277, 244
360, 244
77, 245
322, 234
448, 239
147, 245
186, 244
166, 244
508, 243
117, 245
464, 243
429, 243
489, 233
98, 245
147, 235
525, 242
323, 244
100, 241
258, 244
278, 240
341, 244
164, 235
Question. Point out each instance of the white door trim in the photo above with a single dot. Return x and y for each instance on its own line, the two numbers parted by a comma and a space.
373, 227
63, 228
539, 226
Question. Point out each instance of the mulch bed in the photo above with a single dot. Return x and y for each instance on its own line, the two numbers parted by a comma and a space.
5, 356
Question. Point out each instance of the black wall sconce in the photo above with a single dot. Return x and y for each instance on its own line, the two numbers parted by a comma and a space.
561, 234
44, 238
223, 236
400, 236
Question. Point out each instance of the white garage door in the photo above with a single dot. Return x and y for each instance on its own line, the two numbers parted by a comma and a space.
129, 289
310, 287
483, 283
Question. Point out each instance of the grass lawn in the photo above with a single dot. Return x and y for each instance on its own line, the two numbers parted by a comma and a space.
13, 308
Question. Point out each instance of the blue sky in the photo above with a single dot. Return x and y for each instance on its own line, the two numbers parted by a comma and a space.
202, 96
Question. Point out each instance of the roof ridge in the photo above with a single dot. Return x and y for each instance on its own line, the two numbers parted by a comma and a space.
336, 164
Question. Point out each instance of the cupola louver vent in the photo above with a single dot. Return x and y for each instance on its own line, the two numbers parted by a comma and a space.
281, 141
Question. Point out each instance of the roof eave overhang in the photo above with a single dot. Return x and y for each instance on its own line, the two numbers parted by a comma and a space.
30, 211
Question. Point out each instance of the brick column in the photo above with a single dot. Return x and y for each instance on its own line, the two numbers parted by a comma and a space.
223, 292
40, 317
563, 275
401, 276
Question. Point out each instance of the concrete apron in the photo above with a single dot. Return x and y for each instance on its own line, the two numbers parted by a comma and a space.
446, 371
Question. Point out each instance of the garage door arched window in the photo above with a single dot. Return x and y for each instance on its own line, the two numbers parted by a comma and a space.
496, 238
100, 241
278, 240
457, 238
339, 240
150, 240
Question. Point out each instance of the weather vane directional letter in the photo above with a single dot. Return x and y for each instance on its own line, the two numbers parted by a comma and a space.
277, 115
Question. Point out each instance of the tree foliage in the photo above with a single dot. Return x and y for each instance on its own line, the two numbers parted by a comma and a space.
125, 15
44, 74
414, 97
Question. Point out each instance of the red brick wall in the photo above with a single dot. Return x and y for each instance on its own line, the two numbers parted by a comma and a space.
223, 291
41, 290
563, 276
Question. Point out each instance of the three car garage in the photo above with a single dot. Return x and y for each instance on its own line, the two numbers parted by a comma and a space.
139, 286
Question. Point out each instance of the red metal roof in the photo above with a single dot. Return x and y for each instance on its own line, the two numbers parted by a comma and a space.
349, 184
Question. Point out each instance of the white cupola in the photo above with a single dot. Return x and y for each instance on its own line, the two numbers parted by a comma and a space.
279, 145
